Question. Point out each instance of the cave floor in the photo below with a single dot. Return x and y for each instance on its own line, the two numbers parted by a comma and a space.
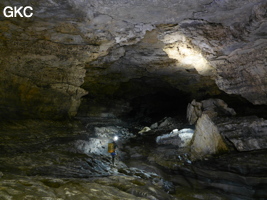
52, 160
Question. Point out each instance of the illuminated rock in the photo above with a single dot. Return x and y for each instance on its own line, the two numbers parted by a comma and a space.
178, 138
207, 139
90, 51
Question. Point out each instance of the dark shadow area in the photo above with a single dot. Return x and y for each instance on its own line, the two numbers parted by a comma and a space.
241, 105
153, 107
140, 100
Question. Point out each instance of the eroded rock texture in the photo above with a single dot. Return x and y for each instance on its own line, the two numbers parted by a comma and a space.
207, 139
116, 49
106, 59
217, 130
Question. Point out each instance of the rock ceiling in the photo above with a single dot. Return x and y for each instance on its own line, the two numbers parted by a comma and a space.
72, 48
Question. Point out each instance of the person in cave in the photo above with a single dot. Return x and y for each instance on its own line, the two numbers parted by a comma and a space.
114, 153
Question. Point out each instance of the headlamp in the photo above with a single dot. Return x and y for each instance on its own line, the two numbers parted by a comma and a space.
115, 138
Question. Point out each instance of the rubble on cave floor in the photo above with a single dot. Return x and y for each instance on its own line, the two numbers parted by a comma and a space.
70, 160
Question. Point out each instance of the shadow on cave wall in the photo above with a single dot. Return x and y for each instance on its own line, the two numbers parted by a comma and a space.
241, 105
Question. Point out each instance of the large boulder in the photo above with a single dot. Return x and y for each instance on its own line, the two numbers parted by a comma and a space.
221, 134
207, 139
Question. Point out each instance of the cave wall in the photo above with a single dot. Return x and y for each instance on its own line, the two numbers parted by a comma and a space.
92, 50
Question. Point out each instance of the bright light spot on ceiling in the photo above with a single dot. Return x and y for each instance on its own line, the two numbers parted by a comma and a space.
187, 56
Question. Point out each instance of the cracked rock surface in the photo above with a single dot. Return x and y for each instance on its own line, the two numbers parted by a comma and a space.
74, 71
70, 49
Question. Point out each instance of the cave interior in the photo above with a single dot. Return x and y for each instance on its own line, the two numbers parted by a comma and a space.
181, 83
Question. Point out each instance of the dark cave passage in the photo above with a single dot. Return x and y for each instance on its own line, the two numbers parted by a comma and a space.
153, 107
142, 101
149, 99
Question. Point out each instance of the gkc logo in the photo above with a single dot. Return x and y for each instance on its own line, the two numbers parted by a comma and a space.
18, 11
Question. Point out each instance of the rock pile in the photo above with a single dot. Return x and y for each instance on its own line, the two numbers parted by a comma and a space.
178, 138
217, 130
211, 107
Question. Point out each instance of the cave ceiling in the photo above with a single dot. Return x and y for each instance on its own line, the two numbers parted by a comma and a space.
73, 49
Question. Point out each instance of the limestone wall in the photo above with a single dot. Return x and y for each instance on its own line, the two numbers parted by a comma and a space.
72, 48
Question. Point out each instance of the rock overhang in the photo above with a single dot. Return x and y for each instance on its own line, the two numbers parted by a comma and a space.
116, 44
